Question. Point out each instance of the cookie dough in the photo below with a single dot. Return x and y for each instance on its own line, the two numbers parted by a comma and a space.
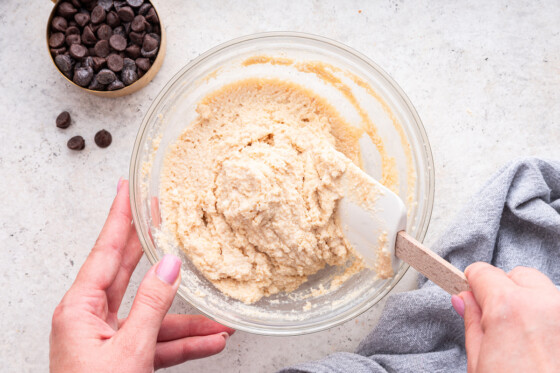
248, 189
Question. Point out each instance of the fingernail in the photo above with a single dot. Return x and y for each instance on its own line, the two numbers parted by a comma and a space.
119, 184
168, 268
458, 305
225, 335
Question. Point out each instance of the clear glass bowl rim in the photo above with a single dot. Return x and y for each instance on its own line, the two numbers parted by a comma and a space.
418, 129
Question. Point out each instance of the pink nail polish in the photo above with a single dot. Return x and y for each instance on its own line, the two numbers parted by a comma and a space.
225, 335
168, 268
119, 184
458, 305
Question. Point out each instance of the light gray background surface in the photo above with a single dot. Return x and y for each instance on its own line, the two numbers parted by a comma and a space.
483, 75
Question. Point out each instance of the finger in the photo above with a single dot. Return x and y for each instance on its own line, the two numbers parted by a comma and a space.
473, 329
132, 255
181, 326
152, 301
190, 348
104, 261
486, 281
530, 278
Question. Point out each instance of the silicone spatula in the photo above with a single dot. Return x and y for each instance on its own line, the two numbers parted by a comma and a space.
372, 215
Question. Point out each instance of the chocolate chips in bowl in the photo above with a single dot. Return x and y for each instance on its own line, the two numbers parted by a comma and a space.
110, 48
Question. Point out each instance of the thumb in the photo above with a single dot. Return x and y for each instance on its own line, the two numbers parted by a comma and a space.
473, 329
152, 301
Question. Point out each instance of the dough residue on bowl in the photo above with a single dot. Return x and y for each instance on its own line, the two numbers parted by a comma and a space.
249, 192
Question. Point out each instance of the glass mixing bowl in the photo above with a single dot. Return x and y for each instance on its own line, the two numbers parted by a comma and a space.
351, 83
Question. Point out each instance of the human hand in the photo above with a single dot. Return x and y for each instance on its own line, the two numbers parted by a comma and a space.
87, 335
512, 321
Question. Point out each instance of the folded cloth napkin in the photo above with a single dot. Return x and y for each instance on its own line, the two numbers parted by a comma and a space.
514, 220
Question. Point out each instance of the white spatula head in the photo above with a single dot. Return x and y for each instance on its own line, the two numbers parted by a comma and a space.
370, 216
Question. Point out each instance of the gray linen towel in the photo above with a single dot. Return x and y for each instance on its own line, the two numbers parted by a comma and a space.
514, 220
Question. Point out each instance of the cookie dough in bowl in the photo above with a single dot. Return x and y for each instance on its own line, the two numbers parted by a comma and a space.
230, 173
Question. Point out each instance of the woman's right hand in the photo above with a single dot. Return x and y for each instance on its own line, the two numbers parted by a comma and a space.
512, 321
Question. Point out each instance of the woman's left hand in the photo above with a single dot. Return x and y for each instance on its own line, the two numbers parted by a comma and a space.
86, 333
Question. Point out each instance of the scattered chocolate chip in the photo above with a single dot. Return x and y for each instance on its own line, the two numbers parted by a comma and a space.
98, 14
151, 16
104, 32
59, 24
81, 19
138, 24
88, 37
119, 30
78, 51
58, 51
113, 19
72, 30
117, 42
144, 9
133, 51
135, 3
143, 63
126, 14
83, 76
103, 138
106, 76
102, 48
76, 143
129, 76
117, 84
63, 120
73, 39
64, 62
98, 63
56, 40
66, 10
115, 62
105, 4
136, 37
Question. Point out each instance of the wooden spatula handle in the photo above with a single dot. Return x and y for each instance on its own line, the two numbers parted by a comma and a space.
430, 264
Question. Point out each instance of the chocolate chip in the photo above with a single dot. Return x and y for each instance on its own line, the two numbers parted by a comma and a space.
105, 4
129, 64
56, 40
59, 24
77, 4
73, 39
150, 43
98, 14
135, 3
103, 138
76, 143
66, 10
133, 51
81, 19
117, 42
129, 76
58, 51
102, 48
106, 76
91, 51
151, 16
83, 76
118, 4
88, 62
113, 19
156, 29
119, 31
88, 37
136, 37
98, 63
138, 24
127, 27
117, 84
95, 85
72, 30
104, 32
64, 62
143, 63
126, 14
144, 9
63, 120
115, 62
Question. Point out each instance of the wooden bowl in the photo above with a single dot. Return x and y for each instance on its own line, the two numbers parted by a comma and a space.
137, 85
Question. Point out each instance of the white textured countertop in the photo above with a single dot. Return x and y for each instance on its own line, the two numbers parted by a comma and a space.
484, 77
